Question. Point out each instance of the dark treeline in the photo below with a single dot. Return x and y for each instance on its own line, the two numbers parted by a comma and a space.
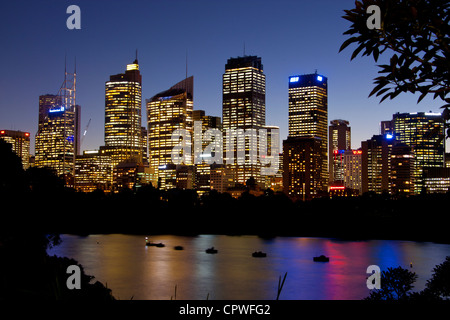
36, 200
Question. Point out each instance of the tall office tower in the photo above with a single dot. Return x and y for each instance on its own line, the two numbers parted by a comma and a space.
20, 142
47, 102
202, 173
424, 133
123, 99
168, 111
243, 108
339, 142
57, 139
308, 118
353, 170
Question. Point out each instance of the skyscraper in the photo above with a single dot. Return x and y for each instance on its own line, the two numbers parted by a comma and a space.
168, 111
340, 141
123, 99
424, 133
308, 120
20, 142
243, 108
202, 174
302, 171
58, 136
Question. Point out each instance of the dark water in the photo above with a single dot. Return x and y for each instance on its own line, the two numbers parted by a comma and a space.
132, 270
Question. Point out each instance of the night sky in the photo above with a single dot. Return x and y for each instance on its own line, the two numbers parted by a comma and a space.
291, 37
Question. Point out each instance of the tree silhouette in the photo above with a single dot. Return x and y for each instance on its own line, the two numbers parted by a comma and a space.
439, 284
416, 33
396, 284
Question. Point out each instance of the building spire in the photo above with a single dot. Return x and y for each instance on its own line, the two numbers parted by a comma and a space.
136, 60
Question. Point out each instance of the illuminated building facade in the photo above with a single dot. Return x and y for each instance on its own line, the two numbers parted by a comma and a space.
243, 107
123, 99
424, 133
302, 168
376, 153
221, 179
57, 139
352, 170
308, 127
93, 170
202, 174
20, 143
166, 112
339, 142
402, 168
436, 180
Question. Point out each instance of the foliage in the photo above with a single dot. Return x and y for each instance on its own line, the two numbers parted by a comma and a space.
439, 284
396, 284
417, 32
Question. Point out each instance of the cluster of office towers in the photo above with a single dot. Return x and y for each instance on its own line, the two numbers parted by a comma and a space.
407, 156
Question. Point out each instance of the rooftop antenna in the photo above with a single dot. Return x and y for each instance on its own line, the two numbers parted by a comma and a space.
136, 55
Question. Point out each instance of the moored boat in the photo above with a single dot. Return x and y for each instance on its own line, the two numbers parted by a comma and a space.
211, 250
259, 254
321, 258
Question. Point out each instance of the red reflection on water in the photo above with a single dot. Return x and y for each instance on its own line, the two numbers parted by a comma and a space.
340, 274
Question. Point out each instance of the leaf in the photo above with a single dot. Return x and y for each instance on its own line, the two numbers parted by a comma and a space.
357, 51
347, 43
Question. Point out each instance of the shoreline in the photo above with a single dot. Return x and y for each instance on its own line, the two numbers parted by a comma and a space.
267, 237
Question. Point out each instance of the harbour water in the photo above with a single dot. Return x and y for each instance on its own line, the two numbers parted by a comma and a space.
136, 271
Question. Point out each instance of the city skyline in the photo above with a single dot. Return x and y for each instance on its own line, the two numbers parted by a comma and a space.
301, 38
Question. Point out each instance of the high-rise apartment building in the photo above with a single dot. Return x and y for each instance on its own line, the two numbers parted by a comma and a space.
243, 108
308, 127
352, 168
424, 133
20, 143
339, 142
302, 171
168, 111
123, 100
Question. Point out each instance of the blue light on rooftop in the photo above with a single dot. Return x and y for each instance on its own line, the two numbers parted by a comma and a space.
294, 79
319, 78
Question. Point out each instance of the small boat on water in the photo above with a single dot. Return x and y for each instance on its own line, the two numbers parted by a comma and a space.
259, 254
321, 258
153, 244
211, 250
178, 247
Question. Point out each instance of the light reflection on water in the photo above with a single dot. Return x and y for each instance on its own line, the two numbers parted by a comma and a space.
132, 270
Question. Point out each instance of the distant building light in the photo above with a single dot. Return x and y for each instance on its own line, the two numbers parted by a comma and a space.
162, 167
319, 78
132, 66
357, 152
57, 110
294, 79
2, 132
432, 114
389, 136
337, 188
